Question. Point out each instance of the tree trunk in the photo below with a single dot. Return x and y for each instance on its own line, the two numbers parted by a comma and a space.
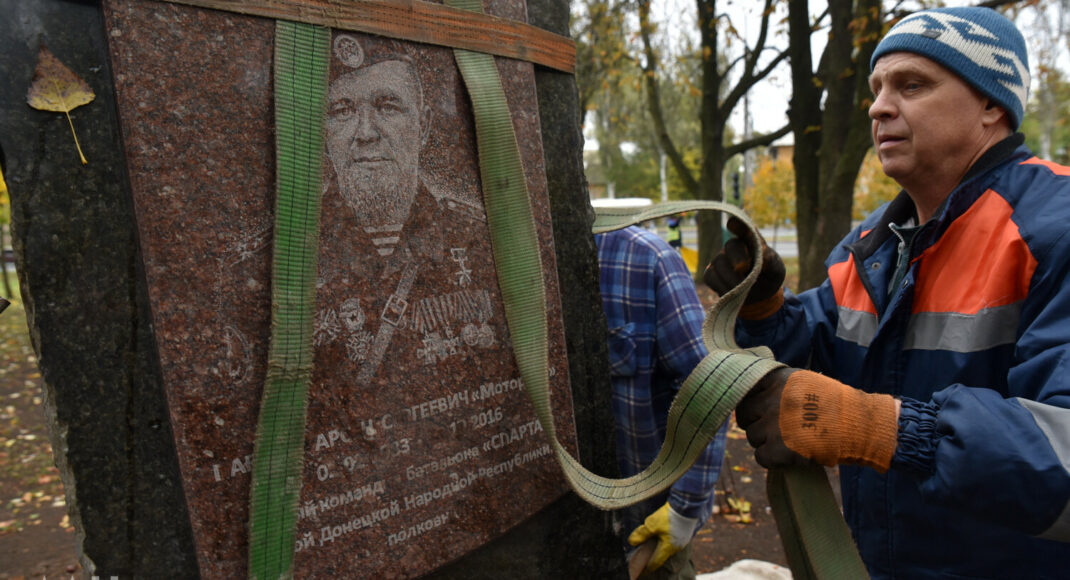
829, 153
805, 117
712, 140
715, 109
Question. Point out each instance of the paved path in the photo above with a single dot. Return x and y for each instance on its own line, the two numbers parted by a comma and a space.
784, 244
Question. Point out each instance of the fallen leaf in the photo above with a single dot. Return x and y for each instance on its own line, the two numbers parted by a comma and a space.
736, 433
58, 89
743, 507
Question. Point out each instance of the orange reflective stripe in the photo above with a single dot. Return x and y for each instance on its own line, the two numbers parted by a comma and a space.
1054, 167
848, 289
980, 262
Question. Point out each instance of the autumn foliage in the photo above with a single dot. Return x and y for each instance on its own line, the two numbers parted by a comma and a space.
771, 200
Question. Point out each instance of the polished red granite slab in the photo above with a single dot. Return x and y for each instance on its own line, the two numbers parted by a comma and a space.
421, 444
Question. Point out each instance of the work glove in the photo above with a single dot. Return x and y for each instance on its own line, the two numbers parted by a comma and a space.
732, 264
672, 530
794, 416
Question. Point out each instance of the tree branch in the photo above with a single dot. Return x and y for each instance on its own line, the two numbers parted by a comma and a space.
650, 79
750, 77
761, 141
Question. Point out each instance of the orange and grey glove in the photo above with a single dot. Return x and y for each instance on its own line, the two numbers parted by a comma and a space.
672, 530
732, 264
793, 416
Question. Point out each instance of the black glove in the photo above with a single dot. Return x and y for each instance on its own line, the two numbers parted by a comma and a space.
759, 415
732, 264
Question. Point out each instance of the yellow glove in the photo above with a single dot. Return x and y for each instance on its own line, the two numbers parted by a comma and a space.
672, 530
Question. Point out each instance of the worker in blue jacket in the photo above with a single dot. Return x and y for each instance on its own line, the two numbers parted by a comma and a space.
937, 352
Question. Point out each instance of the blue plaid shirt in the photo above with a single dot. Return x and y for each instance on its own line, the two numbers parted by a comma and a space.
655, 340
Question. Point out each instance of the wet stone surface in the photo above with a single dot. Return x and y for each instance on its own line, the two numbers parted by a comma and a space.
420, 442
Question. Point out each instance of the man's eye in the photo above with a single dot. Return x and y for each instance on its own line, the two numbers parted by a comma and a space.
340, 108
389, 105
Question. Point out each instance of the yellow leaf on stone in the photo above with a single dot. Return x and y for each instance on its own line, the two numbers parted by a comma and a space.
57, 88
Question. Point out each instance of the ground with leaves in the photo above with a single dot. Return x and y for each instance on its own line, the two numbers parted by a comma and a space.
36, 537
37, 540
733, 534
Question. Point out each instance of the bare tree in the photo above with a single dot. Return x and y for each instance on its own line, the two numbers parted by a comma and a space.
830, 142
715, 108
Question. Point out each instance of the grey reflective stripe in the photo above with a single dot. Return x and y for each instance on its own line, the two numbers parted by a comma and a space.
964, 332
1055, 423
856, 326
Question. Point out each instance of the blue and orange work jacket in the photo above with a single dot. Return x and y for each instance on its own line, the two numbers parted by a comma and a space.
975, 341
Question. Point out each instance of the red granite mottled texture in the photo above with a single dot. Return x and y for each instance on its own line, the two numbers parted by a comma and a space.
408, 467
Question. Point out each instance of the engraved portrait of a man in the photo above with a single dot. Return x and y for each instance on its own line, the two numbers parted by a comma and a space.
402, 259
377, 125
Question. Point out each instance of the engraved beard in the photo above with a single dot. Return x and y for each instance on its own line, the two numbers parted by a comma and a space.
377, 190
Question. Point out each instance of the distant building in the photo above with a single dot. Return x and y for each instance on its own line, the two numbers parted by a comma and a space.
783, 148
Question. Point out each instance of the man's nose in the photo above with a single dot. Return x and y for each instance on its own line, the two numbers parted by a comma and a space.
366, 128
882, 107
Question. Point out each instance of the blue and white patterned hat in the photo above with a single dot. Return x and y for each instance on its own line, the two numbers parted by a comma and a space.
978, 44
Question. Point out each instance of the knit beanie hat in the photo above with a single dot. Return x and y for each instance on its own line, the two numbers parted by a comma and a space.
978, 44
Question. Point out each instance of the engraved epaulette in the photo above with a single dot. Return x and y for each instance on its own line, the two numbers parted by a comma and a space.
465, 208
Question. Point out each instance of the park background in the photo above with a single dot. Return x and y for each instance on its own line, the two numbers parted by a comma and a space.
682, 100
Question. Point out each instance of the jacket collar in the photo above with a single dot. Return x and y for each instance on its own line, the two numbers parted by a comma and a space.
961, 198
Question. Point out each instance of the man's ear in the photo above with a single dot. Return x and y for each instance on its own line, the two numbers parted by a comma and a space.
425, 124
993, 113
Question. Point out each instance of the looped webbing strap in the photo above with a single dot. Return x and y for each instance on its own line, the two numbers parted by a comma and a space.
418, 21
816, 539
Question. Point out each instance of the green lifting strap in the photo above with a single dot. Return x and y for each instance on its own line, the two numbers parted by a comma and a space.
822, 548
816, 539
708, 395
301, 57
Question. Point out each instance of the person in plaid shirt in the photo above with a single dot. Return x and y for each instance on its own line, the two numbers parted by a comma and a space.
655, 340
